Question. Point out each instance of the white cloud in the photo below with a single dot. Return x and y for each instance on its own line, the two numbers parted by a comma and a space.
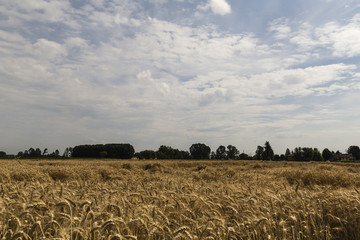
221, 7
123, 75
49, 50
281, 28
118, 19
158, 1
343, 40
74, 42
301, 82
40, 10
11, 37
340, 39
305, 37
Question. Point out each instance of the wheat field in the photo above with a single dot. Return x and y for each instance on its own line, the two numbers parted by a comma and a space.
133, 199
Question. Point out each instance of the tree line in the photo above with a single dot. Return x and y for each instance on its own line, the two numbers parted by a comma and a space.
37, 153
196, 151
115, 150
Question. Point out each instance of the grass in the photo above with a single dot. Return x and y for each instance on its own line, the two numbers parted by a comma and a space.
107, 199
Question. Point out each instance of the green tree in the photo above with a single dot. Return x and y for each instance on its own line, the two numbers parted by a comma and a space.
38, 152
2, 154
232, 152
298, 154
327, 154
317, 155
26, 153
146, 154
184, 155
221, 153
268, 153
56, 153
45, 152
103, 154
165, 152
114, 150
31, 152
244, 156
287, 152
259, 153
355, 151
307, 154
200, 151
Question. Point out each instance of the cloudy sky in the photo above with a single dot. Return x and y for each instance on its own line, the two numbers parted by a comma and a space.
178, 72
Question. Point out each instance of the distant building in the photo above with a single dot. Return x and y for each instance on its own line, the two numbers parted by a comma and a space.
341, 156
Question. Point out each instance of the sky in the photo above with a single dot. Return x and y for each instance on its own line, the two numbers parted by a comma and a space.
178, 72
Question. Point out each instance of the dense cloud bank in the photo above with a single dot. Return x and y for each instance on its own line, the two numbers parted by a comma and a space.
178, 72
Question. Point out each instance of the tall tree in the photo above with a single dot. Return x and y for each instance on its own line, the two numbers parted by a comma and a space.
232, 152
268, 153
57, 153
327, 154
317, 155
31, 152
200, 151
220, 152
45, 152
165, 152
298, 156
287, 152
259, 153
38, 152
355, 151
307, 154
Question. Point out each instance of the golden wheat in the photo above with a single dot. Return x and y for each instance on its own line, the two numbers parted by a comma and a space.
107, 199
